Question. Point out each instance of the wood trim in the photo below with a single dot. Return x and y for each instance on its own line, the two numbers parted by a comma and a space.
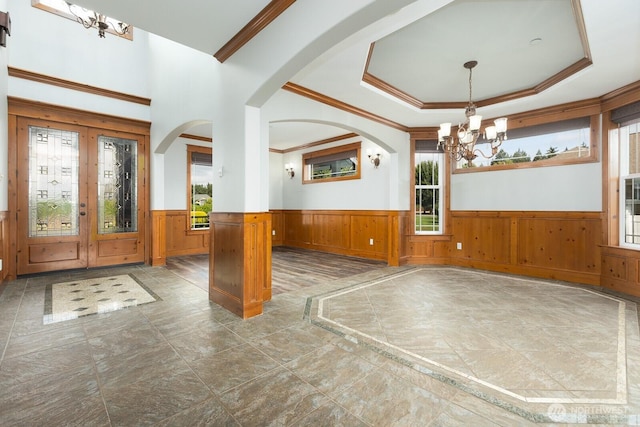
43, 111
158, 233
195, 137
321, 142
316, 96
417, 103
314, 144
249, 31
80, 87
572, 69
622, 96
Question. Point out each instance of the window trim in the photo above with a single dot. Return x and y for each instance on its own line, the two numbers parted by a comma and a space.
194, 149
332, 151
68, 15
623, 152
445, 184
594, 149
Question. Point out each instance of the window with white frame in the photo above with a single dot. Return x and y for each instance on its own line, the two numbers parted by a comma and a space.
428, 191
629, 137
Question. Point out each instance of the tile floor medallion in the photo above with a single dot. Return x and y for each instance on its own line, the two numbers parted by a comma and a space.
70, 300
547, 351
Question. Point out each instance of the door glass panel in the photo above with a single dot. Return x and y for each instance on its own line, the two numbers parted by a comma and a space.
53, 182
117, 185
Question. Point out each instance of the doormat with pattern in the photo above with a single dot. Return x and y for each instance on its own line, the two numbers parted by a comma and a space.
70, 300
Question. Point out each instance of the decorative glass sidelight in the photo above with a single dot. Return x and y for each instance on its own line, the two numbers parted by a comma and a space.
117, 185
53, 182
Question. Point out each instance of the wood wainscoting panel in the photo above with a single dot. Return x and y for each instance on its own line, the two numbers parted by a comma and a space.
621, 270
369, 234
330, 230
181, 240
553, 245
348, 233
158, 238
277, 228
240, 261
297, 228
560, 243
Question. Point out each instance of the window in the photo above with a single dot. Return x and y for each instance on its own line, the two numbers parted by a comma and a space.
200, 184
562, 142
428, 162
630, 183
332, 164
64, 9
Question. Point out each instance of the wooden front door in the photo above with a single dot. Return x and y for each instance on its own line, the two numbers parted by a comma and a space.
80, 197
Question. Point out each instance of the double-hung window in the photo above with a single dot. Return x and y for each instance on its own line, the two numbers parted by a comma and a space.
629, 136
200, 185
428, 187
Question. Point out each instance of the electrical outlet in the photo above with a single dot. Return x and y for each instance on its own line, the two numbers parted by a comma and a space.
0, 264
273, 232
459, 246
371, 242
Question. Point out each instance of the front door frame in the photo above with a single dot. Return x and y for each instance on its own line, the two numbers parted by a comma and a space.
18, 107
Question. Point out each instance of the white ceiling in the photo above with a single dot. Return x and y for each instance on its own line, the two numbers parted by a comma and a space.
420, 50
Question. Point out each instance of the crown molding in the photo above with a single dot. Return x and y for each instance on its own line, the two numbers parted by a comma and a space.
316, 96
80, 87
249, 31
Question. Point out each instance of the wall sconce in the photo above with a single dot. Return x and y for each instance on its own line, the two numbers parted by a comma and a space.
375, 158
289, 168
5, 28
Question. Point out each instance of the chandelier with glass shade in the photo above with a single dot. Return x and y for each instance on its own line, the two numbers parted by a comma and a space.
90, 19
468, 135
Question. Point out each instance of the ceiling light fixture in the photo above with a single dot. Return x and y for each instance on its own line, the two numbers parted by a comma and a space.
91, 19
464, 147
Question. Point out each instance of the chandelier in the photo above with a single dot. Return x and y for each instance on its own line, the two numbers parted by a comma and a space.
464, 146
91, 19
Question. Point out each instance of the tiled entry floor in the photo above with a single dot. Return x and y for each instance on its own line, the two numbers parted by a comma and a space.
183, 361
544, 350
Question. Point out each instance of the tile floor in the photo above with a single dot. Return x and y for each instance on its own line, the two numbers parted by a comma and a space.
330, 354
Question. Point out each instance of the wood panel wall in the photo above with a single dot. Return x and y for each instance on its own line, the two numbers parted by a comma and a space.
621, 269
553, 245
181, 240
365, 234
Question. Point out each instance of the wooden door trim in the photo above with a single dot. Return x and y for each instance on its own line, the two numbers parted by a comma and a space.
57, 113
18, 107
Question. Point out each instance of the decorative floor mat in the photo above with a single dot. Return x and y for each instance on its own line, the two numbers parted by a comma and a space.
70, 300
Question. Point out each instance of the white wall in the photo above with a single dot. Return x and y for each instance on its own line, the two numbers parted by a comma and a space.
385, 188
551, 188
4, 145
370, 192
44, 43
277, 177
